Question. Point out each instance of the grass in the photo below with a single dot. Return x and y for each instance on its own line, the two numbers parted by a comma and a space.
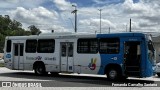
1, 64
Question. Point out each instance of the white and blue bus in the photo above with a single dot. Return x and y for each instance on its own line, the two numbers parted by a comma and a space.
115, 55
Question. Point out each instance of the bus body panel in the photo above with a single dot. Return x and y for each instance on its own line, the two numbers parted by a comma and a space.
109, 59
66, 58
87, 63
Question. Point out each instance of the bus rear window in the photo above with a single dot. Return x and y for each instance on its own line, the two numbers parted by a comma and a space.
9, 43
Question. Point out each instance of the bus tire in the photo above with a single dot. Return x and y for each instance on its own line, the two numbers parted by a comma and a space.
113, 74
40, 69
158, 74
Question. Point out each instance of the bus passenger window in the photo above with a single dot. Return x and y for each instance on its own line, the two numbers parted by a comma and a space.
82, 46
109, 45
46, 46
9, 43
87, 46
93, 46
31, 46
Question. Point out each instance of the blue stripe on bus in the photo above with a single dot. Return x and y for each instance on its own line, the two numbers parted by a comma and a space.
109, 59
119, 35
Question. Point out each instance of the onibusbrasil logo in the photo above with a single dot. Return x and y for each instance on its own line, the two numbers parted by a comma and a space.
92, 65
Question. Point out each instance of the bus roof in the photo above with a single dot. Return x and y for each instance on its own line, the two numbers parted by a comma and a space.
77, 35
131, 34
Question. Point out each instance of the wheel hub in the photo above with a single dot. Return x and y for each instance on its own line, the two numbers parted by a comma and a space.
112, 74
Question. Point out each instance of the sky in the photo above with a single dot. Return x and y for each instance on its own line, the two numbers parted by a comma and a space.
56, 15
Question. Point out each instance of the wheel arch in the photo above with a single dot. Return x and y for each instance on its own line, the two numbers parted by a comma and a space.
113, 65
37, 63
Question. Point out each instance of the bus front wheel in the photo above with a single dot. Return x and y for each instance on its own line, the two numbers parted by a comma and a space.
112, 74
40, 69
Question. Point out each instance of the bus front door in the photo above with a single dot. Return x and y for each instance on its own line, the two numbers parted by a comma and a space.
132, 59
67, 57
18, 56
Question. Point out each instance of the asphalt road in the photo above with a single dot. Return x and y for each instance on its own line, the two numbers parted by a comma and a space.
70, 80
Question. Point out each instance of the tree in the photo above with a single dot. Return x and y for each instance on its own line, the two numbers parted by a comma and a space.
4, 23
34, 30
15, 25
9, 27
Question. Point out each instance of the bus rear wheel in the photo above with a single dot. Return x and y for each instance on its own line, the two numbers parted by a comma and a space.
40, 69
